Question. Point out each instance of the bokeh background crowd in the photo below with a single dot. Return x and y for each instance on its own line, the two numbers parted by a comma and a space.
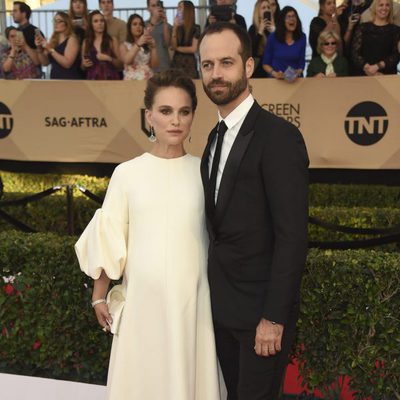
349, 38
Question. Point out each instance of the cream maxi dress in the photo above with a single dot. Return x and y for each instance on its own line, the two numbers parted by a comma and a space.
151, 231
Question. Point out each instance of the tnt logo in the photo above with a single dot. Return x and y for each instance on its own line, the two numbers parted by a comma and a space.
6, 121
366, 123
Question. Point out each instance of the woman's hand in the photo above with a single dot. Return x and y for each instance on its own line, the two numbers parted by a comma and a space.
320, 75
371, 70
353, 19
270, 26
278, 74
103, 316
20, 41
86, 62
40, 41
103, 57
142, 40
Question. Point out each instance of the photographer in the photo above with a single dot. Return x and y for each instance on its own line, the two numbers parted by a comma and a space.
138, 52
224, 11
20, 61
161, 32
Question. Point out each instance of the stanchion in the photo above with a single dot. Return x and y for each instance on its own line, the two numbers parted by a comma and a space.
70, 209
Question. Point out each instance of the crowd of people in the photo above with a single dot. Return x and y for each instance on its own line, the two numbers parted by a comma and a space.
357, 37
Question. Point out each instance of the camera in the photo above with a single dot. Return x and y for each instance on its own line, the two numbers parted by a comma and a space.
160, 4
222, 13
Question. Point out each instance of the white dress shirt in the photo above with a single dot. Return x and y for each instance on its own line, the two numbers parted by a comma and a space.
234, 122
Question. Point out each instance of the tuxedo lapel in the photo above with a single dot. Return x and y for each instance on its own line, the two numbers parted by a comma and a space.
233, 162
204, 169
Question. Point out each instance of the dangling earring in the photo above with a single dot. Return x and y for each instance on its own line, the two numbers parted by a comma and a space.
152, 136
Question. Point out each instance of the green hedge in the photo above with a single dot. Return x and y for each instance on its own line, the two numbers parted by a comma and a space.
34, 183
50, 215
325, 195
350, 322
320, 194
349, 317
47, 325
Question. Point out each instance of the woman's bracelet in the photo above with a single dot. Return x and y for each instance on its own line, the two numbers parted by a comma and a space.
99, 301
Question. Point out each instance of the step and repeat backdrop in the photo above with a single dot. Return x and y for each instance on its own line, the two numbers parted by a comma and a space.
349, 123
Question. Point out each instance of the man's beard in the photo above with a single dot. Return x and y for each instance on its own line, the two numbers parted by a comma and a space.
235, 89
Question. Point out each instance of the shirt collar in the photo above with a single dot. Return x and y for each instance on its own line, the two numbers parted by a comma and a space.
238, 113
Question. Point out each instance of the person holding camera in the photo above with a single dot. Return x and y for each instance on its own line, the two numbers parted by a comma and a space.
161, 32
263, 25
224, 12
138, 52
327, 19
375, 44
185, 38
349, 20
19, 61
62, 51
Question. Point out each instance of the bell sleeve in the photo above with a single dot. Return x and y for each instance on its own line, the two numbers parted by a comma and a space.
103, 244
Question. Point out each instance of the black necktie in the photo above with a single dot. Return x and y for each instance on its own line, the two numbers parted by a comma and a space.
222, 128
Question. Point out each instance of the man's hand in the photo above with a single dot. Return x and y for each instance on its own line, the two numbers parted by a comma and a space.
268, 338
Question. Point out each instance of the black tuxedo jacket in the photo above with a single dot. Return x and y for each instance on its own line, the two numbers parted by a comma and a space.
258, 228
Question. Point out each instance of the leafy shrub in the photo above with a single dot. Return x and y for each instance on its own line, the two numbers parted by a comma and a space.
349, 321
47, 325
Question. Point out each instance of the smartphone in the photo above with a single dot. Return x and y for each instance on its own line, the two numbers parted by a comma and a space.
37, 32
267, 15
160, 4
20, 35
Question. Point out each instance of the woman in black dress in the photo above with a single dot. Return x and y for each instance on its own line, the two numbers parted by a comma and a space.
62, 51
375, 44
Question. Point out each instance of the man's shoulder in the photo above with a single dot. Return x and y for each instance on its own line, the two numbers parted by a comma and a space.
268, 121
118, 21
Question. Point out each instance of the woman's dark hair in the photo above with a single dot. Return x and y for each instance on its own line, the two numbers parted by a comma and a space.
245, 50
129, 36
169, 78
106, 39
277, 11
280, 32
8, 31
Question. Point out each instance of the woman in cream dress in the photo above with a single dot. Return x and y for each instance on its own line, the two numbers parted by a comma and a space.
151, 232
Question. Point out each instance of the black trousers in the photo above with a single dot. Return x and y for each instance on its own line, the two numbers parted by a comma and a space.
249, 376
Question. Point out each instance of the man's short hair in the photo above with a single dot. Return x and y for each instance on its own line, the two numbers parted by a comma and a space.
244, 38
24, 8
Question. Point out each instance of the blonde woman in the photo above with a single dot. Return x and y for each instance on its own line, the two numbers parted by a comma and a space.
374, 49
185, 38
263, 25
329, 63
62, 51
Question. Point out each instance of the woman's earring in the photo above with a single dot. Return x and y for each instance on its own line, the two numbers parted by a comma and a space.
152, 136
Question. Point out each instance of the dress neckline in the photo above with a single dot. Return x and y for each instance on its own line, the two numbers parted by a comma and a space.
167, 159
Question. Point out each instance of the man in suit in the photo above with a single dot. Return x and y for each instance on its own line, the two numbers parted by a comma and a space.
254, 172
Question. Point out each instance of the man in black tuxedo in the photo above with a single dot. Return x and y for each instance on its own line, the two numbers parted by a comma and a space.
255, 177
